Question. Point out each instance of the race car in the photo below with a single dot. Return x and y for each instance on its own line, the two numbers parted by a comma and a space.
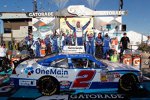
69, 72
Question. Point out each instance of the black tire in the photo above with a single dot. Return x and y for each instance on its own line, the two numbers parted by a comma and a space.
128, 83
48, 85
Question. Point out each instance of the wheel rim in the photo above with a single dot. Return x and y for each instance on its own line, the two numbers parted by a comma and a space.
128, 83
47, 86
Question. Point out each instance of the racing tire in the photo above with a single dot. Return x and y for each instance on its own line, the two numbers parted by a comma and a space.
128, 83
48, 85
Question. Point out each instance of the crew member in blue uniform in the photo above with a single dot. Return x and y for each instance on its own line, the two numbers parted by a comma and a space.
78, 31
106, 47
37, 45
90, 44
29, 41
55, 43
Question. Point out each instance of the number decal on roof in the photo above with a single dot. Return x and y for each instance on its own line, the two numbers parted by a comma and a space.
83, 79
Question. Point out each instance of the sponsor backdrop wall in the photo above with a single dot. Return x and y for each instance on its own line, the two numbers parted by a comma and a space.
44, 26
48, 25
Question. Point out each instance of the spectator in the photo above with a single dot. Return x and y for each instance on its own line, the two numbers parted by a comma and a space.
148, 41
114, 43
2, 51
106, 45
99, 43
4, 60
124, 44
114, 57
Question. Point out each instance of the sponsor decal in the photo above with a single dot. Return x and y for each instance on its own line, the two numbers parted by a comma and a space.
97, 97
73, 49
27, 83
29, 71
103, 76
65, 84
51, 71
110, 77
117, 75
136, 62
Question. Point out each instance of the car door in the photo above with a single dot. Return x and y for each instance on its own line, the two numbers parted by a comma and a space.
83, 73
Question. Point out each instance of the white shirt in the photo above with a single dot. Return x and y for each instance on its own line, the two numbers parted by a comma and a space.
79, 32
2, 52
148, 42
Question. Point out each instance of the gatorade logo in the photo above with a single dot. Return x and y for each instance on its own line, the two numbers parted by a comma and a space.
127, 61
136, 62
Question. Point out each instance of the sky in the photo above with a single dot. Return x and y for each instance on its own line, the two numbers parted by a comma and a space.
138, 18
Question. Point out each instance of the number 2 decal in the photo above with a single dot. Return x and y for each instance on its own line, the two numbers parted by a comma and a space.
83, 79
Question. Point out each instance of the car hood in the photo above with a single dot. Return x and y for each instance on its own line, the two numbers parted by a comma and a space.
29, 62
119, 66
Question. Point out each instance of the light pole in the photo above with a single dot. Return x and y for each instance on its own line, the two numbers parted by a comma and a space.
35, 6
1, 30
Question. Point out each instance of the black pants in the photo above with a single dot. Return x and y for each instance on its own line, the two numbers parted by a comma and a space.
121, 53
48, 49
99, 51
4, 63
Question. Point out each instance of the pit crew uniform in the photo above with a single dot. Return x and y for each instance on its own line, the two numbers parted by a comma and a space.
78, 32
37, 45
106, 46
55, 44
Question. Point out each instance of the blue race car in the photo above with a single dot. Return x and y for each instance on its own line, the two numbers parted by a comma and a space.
75, 72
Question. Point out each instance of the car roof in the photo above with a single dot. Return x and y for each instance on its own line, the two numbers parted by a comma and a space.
46, 61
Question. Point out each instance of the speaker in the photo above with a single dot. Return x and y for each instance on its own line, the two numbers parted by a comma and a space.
123, 27
116, 28
108, 26
29, 29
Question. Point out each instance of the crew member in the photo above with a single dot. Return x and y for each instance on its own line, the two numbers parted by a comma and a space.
55, 43
78, 30
48, 44
90, 44
99, 43
37, 44
106, 46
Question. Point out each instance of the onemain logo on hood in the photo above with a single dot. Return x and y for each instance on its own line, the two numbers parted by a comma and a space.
51, 71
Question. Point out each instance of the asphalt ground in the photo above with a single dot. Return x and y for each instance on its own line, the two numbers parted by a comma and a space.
9, 93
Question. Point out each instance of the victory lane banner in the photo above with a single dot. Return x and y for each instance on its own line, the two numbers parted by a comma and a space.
98, 97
